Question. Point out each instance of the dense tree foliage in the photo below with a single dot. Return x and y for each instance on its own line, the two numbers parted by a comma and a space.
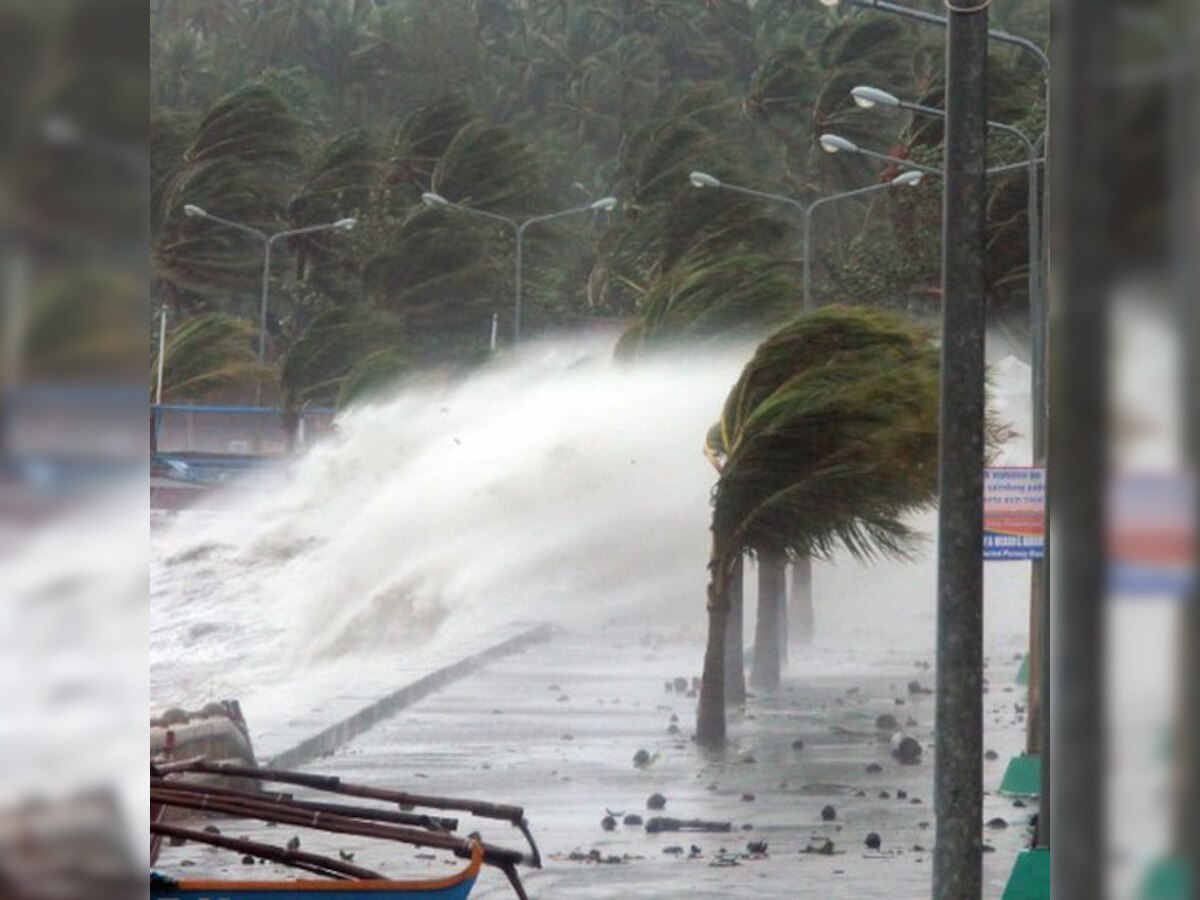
291, 113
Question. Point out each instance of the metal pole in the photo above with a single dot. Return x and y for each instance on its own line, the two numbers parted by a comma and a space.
808, 304
495, 328
958, 776
162, 353
517, 306
262, 318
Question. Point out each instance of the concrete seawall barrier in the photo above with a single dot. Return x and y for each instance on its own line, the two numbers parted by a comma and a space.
341, 732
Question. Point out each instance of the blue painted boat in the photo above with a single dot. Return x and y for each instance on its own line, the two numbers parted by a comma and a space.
453, 887
177, 797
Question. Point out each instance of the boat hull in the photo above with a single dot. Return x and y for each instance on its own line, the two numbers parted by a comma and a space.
344, 890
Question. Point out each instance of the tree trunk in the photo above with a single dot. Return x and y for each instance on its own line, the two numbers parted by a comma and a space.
710, 714
772, 581
783, 621
735, 662
801, 617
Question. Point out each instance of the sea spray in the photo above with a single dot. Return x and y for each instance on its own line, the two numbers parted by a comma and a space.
554, 485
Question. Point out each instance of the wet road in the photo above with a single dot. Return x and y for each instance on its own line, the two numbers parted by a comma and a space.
555, 729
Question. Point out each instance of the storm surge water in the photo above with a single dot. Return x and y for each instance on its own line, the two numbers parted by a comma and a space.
552, 486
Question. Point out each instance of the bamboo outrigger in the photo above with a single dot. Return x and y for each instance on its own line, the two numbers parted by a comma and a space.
336, 878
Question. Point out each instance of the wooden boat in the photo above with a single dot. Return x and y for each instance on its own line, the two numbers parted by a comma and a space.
176, 795
454, 887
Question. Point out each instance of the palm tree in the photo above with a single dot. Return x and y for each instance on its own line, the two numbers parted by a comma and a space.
208, 353
828, 439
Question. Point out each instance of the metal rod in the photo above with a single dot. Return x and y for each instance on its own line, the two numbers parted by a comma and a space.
479, 808
434, 823
958, 775
162, 352
309, 862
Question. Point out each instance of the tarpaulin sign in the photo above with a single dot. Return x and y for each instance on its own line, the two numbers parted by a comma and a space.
1014, 513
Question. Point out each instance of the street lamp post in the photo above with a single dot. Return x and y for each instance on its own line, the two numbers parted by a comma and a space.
704, 180
869, 97
994, 34
437, 201
268, 240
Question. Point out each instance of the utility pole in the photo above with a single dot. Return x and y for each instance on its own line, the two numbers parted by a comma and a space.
958, 777
1081, 299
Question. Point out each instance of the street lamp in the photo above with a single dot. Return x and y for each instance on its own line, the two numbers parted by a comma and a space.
905, 179
867, 97
437, 201
195, 212
929, 18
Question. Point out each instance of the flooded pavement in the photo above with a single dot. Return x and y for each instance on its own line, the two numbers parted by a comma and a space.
556, 729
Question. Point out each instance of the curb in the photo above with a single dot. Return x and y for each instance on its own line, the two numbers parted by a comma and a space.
329, 739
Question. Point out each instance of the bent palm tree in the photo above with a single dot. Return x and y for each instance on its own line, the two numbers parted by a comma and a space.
828, 439
206, 353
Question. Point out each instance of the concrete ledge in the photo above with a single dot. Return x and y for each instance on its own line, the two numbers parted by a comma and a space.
340, 733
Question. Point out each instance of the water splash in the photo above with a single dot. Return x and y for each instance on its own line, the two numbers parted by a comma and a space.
555, 485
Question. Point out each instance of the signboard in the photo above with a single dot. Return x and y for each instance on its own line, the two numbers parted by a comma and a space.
1014, 513
1151, 533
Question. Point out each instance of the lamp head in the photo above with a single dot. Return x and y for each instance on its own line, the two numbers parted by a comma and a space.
830, 3
908, 179
605, 204
703, 180
430, 199
60, 130
868, 97
345, 224
832, 143
193, 212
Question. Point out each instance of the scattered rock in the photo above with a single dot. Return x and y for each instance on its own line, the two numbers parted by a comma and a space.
212, 829
674, 718
884, 795
748, 798
608, 823
247, 860
632, 819
694, 852
991, 755
825, 848
672, 728
902, 794
294, 844
860, 793
641, 758
873, 841
1018, 804
176, 842
346, 855
656, 801
923, 825
910, 722
997, 822
673, 851
915, 801
681, 685
905, 749
758, 848
873, 768
797, 744
988, 848
914, 688
917, 848
828, 813
749, 826
887, 722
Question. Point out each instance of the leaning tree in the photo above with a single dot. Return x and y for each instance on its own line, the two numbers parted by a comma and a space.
828, 439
